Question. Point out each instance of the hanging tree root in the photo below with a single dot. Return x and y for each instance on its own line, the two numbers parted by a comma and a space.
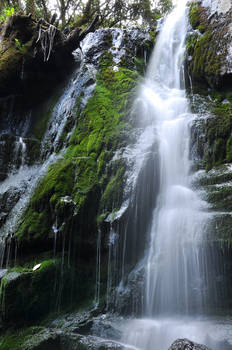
53, 41
40, 53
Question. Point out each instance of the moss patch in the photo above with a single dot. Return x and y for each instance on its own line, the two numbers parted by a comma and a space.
27, 295
15, 340
194, 15
41, 213
14, 47
84, 174
218, 134
207, 51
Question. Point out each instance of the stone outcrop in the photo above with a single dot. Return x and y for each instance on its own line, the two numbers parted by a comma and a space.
32, 55
89, 120
217, 6
209, 51
185, 344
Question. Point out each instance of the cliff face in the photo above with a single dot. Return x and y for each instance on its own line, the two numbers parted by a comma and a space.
209, 68
66, 156
62, 178
209, 44
209, 77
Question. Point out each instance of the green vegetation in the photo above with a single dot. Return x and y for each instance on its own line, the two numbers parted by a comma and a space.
6, 13
218, 134
20, 46
27, 295
194, 15
14, 341
206, 63
84, 174
207, 50
113, 13
113, 194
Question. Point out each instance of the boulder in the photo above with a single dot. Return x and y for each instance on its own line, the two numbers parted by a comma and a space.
185, 344
209, 51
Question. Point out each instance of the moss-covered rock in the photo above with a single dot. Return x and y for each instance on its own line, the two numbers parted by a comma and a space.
15, 340
84, 174
85, 183
211, 134
17, 40
29, 293
26, 294
25, 67
208, 49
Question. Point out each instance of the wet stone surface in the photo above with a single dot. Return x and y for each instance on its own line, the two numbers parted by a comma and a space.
185, 344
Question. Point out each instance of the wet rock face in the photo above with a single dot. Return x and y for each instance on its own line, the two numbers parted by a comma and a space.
217, 6
66, 200
211, 151
185, 344
209, 44
67, 334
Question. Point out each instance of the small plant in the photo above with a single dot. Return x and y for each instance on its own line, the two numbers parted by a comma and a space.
6, 13
19, 45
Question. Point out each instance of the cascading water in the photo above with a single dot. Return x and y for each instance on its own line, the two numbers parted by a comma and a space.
173, 266
177, 272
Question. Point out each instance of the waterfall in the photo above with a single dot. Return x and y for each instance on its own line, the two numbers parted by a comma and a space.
176, 269
174, 261
173, 273
22, 178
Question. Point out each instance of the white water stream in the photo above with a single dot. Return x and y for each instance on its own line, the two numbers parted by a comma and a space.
176, 288
173, 282
173, 273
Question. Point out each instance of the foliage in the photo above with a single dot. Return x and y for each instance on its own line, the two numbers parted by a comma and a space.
194, 14
6, 13
118, 12
20, 46
72, 13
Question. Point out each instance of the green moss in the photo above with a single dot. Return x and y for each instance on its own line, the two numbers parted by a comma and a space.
11, 57
216, 176
57, 183
219, 197
41, 213
207, 51
112, 196
14, 340
140, 65
229, 150
153, 34
28, 294
205, 59
42, 116
194, 13
218, 133
101, 128
191, 40
219, 151
10, 63
202, 28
